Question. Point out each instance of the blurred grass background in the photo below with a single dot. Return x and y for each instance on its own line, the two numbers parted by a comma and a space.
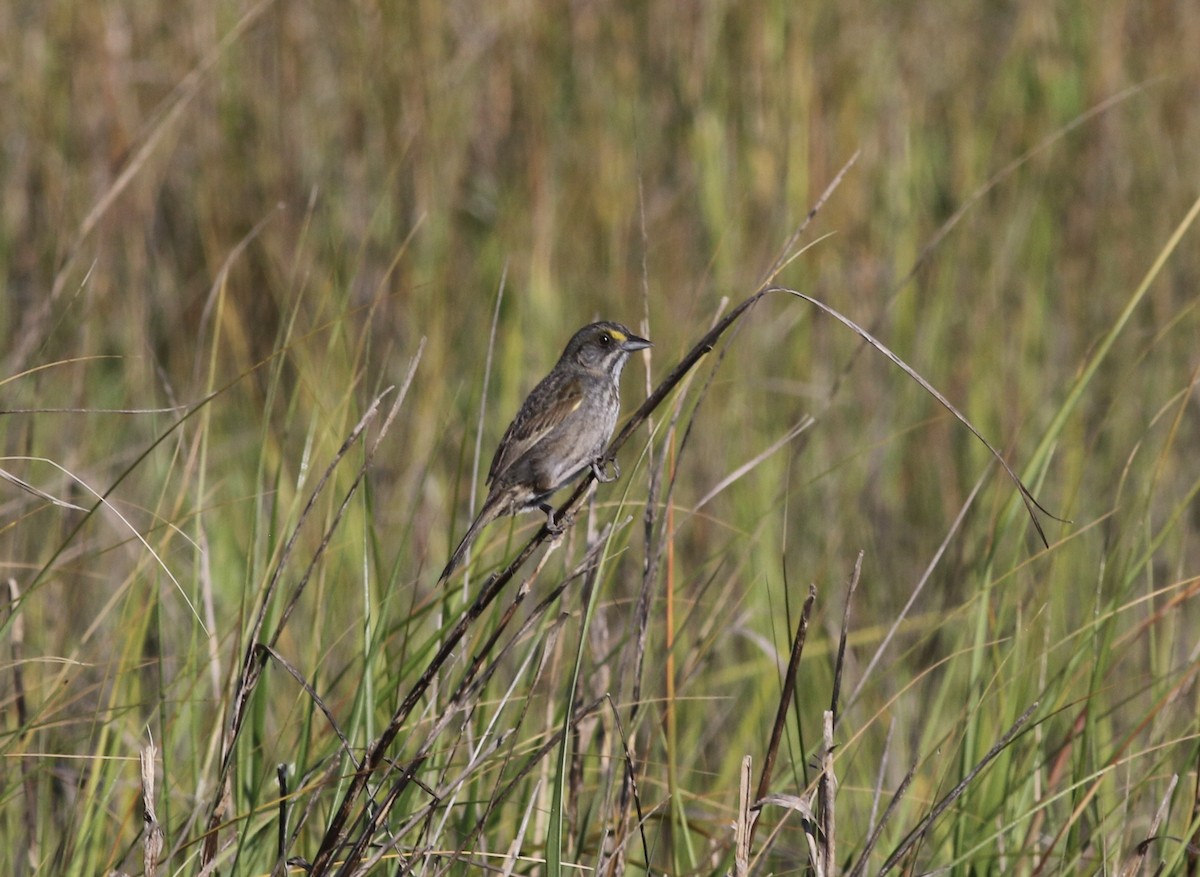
277, 201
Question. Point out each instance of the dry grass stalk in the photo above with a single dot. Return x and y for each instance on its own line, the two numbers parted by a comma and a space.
152, 843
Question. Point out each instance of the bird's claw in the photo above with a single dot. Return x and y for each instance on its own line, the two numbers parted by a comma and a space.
552, 526
603, 477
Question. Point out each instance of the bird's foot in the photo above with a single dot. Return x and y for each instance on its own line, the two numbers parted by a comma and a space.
598, 467
552, 526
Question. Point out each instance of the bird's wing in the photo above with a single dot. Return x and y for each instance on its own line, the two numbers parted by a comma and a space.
546, 408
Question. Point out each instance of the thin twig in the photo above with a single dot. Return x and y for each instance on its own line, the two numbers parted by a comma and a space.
281, 845
294, 672
976, 196
1032, 506
28, 786
954, 794
252, 664
152, 843
827, 794
920, 586
839, 664
474, 678
785, 697
742, 826
483, 397
1134, 865
873, 838
883, 762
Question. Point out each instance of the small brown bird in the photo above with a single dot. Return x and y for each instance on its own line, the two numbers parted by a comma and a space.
560, 431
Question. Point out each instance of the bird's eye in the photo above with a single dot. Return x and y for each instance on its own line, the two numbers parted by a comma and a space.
606, 339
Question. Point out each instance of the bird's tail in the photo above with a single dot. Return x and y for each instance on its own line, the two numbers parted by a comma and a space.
486, 515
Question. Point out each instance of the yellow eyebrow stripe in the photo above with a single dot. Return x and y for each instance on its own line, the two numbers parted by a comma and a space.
620, 336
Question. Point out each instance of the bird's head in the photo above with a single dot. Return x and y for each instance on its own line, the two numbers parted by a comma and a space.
603, 347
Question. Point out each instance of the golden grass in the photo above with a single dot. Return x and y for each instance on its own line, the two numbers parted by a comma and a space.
226, 230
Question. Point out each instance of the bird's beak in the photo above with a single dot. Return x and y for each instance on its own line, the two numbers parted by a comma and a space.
630, 343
